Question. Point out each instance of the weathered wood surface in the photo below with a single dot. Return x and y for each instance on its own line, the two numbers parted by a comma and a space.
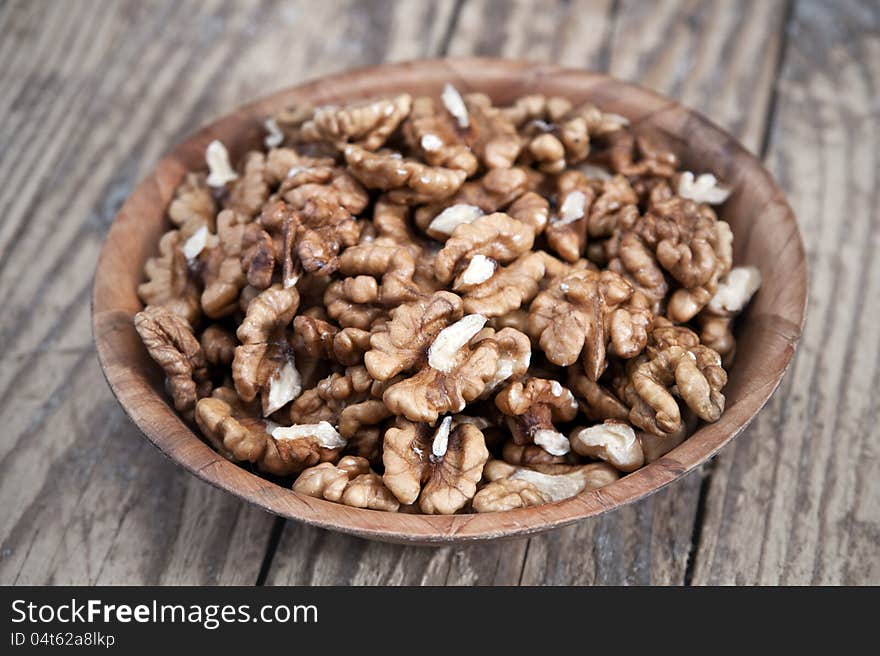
94, 93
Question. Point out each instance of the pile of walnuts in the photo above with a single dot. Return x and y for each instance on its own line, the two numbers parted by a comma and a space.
438, 305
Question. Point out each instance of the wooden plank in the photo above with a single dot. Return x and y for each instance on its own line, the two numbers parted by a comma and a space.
708, 63
94, 94
796, 499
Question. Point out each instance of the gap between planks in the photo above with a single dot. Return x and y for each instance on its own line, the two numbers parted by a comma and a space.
711, 466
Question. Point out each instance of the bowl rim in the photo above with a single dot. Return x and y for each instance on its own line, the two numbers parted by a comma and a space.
112, 327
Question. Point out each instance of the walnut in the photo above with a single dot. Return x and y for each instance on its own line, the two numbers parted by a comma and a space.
675, 365
695, 248
402, 343
614, 207
596, 401
559, 133
531, 409
629, 256
257, 256
382, 267
220, 171
350, 481
405, 180
548, 151
169, 340
496, 236
642, 155
444, 224
527, 455
567, 230
455, 375
494, 191
505, 289
218, 345
170, 283
702, 189
231, 427
490, 133
328, 184
734, 292
293, 448
396, 266
521, 487
583, 314
434, 137
655, 447
193, 205
367, 124
249, 192
222, 270
438, 468
283, 163
264, 363
531, 208
323, 340
315, 232
612, 441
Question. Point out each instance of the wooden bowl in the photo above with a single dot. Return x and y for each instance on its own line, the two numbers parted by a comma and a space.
766, 234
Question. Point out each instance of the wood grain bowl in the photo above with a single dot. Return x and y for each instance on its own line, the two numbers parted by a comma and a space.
766, 236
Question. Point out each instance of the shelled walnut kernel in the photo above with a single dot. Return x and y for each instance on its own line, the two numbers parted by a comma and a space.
381, 303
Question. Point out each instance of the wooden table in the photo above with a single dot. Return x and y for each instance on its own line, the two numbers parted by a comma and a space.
93, 92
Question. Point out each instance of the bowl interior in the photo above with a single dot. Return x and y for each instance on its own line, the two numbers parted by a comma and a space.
766, 236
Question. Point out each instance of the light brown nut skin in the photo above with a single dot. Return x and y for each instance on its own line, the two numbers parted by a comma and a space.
508, 494
395, 265
535, 405
279, 162
716, 332
573, 318
569, 240
508, 289
257, 256
403, 342
642, 155
169, 281
597, 402
360, 423
441, 485
369, 491
286, 457
222, 272
264, 349
430, 393
496, 236
405, 180
250, 191
350, 482
527, 455
531, 208
169, 340
614, 207
331, 185
543, 483
232, 432
675, 359
368, 124
354, 302
433, 136
491, 134
218, 345
629, 256
497, 189
193, 205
